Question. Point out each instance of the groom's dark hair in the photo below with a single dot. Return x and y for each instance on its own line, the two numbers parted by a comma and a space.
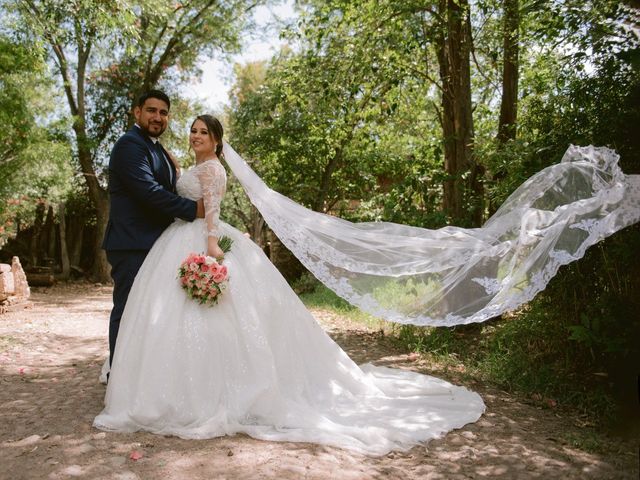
159, 94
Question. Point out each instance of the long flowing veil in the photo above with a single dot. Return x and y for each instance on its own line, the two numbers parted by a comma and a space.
454, 275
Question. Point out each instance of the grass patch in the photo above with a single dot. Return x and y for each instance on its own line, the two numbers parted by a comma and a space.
323, 298
588, 441
529, 354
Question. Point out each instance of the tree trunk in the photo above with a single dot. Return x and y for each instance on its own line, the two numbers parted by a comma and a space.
101, 269
75, 230
99, 196
285, 261
35, 237
100, 200
325, 182
507, 124
257, 229
509, 102
453, 50
49, 239
64, 252
40, 279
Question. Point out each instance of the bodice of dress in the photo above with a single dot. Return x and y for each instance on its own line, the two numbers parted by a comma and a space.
208, 181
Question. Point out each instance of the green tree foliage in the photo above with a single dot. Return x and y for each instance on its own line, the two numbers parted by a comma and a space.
16, 61
375, 78
34, 154
106, 53
318, 124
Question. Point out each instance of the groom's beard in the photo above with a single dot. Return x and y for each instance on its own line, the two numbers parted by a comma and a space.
154, 129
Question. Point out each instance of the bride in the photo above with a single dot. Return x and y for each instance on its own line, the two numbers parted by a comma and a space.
258, 363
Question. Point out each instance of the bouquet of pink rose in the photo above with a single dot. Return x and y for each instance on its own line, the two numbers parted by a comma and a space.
203, 277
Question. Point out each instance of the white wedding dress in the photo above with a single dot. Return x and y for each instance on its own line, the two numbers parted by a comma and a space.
257, 362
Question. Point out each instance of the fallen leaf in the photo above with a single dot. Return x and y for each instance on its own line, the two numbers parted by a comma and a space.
135, 455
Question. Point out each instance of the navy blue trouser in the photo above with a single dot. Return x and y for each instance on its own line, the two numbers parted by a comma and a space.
124, 268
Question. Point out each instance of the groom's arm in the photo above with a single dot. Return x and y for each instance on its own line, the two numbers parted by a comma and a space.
129, 162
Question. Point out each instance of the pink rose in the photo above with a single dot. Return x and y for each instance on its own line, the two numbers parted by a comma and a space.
184, 280
200, 259
204, 268
214, 268
219, 277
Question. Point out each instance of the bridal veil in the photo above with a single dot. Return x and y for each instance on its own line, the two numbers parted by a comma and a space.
452, 275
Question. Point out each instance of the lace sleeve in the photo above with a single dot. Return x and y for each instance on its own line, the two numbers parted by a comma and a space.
213, 181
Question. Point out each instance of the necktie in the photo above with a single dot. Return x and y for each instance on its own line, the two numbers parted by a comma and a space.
163, 156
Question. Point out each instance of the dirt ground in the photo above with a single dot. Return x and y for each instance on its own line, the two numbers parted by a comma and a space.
50, 358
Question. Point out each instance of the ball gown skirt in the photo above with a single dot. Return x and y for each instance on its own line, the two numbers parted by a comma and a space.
258, 363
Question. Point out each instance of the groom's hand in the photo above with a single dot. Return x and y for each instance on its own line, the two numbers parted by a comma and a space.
200, 209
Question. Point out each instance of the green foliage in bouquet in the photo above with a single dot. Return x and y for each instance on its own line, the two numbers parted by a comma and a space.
225, 243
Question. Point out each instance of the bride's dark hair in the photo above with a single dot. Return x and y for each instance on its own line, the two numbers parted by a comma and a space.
215, 130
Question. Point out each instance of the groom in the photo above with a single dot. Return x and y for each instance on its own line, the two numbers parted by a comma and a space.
142, 190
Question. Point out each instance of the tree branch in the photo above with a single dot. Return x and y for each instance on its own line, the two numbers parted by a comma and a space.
58, 50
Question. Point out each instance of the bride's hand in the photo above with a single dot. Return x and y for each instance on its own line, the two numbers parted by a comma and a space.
213, 250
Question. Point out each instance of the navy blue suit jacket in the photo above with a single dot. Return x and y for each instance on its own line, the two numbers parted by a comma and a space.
142, 195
